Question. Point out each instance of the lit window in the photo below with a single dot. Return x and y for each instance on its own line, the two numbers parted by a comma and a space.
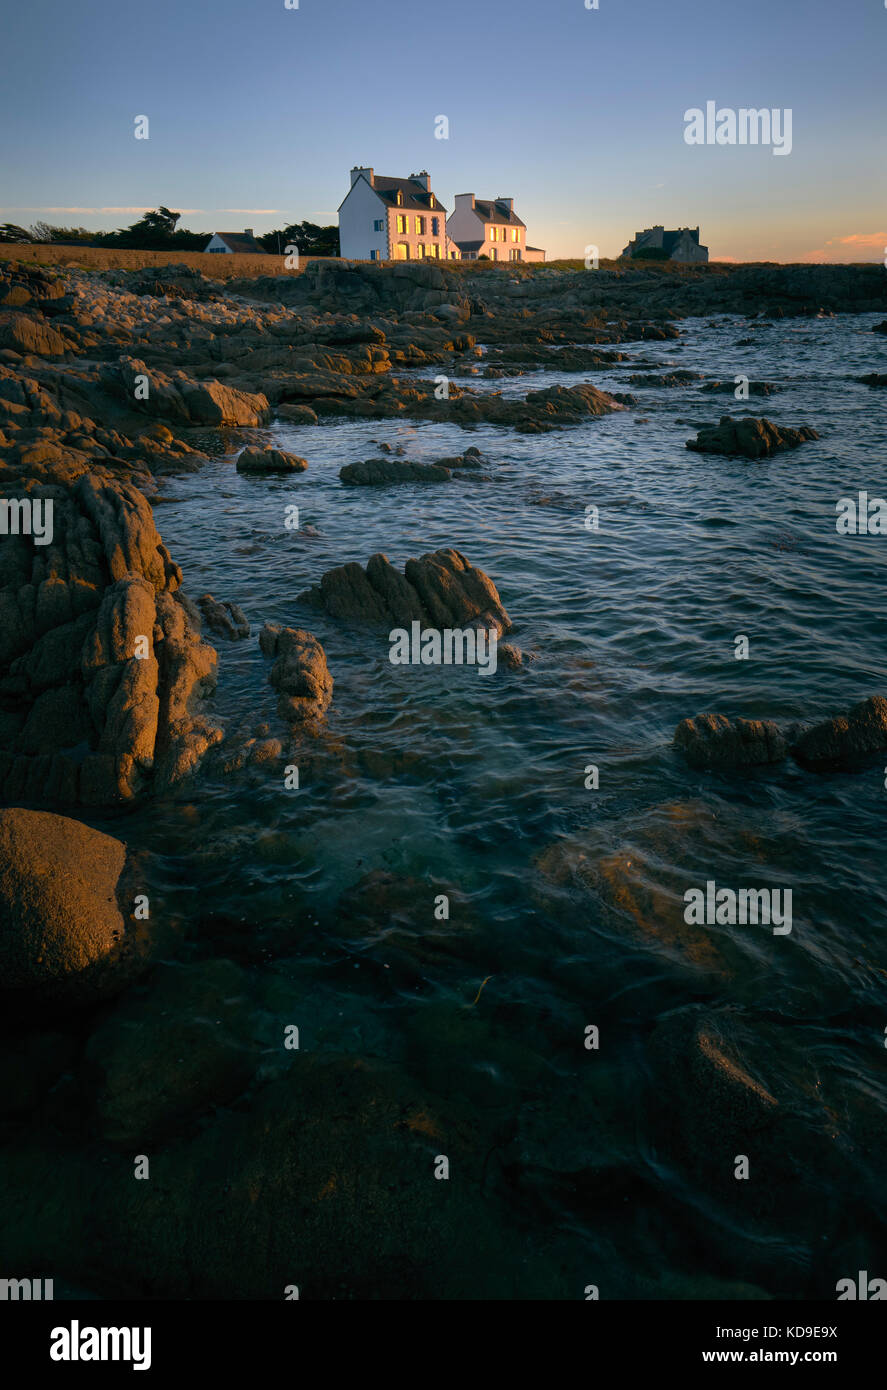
436, 251
402, 223
403, 251
420, 226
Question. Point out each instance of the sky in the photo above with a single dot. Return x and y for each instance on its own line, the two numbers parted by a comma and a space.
257, 113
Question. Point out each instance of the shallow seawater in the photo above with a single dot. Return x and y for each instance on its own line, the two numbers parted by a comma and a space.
452, 782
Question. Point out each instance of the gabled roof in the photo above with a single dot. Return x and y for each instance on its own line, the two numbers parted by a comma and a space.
470, 245
238, 241
671, 239
414, 197
488, 210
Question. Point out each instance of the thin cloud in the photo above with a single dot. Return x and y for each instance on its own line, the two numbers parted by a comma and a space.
858, 241
98, 212
253, 212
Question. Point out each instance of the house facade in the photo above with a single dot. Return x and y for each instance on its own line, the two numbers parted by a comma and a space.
229, 243
391, 219
655, 243
489, 228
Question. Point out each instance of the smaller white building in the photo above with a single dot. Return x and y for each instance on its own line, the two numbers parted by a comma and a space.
488, 229
234, 243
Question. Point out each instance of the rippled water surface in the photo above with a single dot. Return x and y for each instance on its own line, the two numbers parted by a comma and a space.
446, 781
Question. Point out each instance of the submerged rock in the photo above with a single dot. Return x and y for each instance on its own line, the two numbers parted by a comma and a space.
299, 673
440, 590
270, 461
755, 388
874, 379
224, 618
714, 741
377, 472
749, 436
170, 1050
846, 740
62, 923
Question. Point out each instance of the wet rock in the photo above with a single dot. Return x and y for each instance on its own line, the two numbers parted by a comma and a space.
442, 590
270, 461
510, 655
299, 673
679, 378
378, 472
226, 619
472, 458
874, 379
714, 741
755, 388
63, 908
880, 327
297, 414
749, 437
846, 741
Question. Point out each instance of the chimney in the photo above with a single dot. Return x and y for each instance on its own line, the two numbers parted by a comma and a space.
356, 173
422, 177
247, 231
507, 203
465, 200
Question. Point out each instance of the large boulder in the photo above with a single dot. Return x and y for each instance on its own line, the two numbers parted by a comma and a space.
63, 913
101, 656
714, 741
847, 740
179, 397
749, 436
270, 461
442, 590
299, 673
30, 336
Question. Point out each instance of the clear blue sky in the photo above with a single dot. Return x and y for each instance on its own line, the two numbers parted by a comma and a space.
257, 113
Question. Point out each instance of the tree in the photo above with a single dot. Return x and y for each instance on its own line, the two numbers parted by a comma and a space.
9, 232
311, 239
155, 231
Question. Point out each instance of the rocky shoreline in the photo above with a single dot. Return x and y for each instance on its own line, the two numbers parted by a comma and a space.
111, 381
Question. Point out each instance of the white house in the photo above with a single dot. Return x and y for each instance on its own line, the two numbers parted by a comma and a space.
389, 219
489, 228
227, 243
655, 243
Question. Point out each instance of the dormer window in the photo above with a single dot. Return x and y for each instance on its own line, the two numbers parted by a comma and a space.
399, 198
431, 200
